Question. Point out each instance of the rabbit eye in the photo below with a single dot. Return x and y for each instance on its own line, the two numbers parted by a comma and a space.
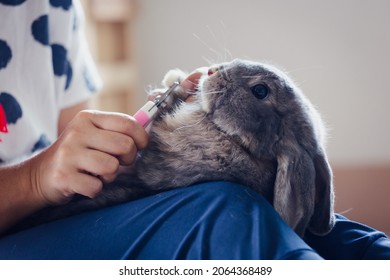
260, 91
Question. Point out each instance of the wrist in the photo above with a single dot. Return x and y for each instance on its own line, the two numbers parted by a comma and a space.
18, 195
35, 181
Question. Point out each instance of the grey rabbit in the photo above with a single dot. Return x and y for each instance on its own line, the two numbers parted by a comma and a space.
248, 124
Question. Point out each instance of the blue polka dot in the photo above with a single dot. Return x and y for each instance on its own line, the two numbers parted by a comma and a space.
12, 2
61, 65
69, 75
65, 4
42, 143
40, 29
5, 54
12, 109
60, 62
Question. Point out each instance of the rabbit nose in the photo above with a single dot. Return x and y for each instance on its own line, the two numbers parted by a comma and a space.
212, 70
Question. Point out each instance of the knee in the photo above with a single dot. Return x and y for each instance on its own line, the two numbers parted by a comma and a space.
231, 221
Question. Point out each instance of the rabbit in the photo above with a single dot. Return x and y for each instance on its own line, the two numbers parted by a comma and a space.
248, 123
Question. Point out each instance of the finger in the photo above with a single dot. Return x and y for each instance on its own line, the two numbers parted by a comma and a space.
108, 178
128, 157
86, 184
120, 123
97, 163
192, 80
114, 143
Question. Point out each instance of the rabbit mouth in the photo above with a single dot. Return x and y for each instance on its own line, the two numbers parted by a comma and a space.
208, 84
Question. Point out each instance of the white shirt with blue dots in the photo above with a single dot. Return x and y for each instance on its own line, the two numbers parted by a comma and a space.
45, 66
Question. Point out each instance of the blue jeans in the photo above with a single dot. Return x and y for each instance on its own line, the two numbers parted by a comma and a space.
217, 220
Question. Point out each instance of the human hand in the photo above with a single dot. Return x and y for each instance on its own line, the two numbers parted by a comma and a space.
87, 154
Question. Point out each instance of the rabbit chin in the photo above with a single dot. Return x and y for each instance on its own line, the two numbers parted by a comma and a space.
205, 88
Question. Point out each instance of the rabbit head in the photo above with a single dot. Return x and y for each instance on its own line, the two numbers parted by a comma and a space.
260, 105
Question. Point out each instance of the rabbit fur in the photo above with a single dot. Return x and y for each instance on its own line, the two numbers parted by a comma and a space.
248, 124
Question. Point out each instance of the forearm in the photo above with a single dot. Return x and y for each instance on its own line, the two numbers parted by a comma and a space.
18, 196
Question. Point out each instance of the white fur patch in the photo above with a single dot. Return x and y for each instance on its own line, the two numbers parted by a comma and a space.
184, 116
203, 97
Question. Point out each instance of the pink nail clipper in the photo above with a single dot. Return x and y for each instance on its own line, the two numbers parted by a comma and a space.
147, 112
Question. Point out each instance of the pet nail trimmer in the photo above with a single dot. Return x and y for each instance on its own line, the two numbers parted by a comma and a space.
147, 112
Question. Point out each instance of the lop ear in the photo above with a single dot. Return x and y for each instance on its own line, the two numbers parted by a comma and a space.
303, 193
323, 218
294, 191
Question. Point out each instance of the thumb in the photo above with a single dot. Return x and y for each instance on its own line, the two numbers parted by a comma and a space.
192, 80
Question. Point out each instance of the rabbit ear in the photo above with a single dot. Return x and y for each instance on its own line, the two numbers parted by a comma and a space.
294, 192
323, 220
303, 193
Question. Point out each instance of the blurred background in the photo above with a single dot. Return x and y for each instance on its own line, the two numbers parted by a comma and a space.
336, 51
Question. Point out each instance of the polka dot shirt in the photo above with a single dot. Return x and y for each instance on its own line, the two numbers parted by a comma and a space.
45, 66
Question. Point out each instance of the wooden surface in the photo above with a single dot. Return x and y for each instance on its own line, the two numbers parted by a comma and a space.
363, 194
